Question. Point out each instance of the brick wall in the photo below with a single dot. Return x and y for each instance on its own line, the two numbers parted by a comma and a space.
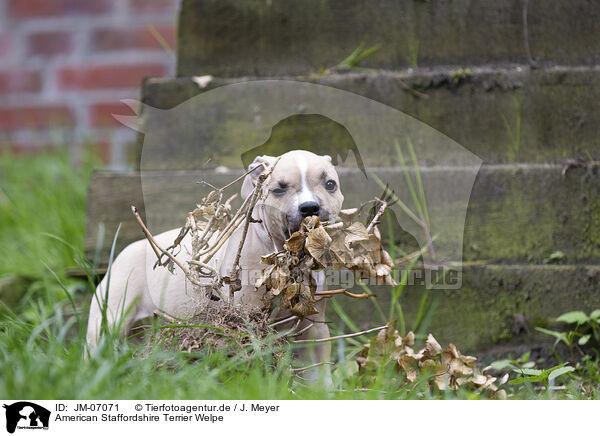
66, 64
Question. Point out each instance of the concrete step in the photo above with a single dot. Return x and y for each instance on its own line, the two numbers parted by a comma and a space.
514, 213
497, 308
501, 114
264, 38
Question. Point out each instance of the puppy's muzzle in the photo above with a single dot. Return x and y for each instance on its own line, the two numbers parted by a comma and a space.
309, 208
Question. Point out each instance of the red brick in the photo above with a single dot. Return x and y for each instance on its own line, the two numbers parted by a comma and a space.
19, 81
136, 38
26, 149
108, 76
101, 114
154, 5
44, 8
5, 44
35, 117
49, 43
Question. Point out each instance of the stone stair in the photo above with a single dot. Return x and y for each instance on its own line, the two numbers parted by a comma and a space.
523, 98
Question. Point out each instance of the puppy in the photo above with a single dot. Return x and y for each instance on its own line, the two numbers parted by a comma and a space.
302, 184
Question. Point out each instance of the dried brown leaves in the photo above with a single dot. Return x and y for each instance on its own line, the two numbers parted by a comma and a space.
431, 367
287, 282
210, 225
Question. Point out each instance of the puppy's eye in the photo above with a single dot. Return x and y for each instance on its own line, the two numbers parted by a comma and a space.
330, 185
280, 189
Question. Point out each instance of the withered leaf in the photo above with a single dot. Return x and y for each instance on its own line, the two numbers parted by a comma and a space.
290, 291
304, 308
432, 346
386, 259
409, 366
269, 259
356, 232
309, 223
347, 215
479, 379
409, 339
445, 369
265, 276
280, 277
296, 242
382, 270
317, 244
341, 249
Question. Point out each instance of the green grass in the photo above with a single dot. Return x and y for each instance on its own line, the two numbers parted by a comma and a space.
42, 337
41, 198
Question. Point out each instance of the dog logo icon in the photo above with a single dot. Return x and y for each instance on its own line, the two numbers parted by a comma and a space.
26, 415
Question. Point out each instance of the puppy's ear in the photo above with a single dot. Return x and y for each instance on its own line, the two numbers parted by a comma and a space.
326, 156
250, 179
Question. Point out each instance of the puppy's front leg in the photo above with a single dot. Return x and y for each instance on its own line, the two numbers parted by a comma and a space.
318, 353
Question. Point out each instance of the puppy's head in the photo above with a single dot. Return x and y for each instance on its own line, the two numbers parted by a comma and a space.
302, 184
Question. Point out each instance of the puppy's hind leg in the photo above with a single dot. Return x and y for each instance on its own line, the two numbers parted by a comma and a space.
121, 298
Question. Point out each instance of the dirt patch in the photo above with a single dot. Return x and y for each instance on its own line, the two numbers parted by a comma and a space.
217, 326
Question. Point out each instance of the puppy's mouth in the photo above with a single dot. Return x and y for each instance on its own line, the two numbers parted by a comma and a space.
292, 222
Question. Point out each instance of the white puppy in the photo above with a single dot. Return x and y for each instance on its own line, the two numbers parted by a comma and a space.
302, 184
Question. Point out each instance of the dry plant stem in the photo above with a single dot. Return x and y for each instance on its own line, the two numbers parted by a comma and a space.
208, 231
304, 368
205, 266
202, 241
182, 233
233, 224
377, 215
293, 329
363, 205
141, 327
239, 178
333, 338
406, 259
145, 230
166, 316
413, 91
255, 195
158, 247
210, 185
334, 226
343, 291
211, 251
298, 333
532, 63
235, 267
283, 321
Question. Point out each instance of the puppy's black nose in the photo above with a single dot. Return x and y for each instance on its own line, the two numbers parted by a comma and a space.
309, 208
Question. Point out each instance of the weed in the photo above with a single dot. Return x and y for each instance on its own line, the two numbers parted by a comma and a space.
585, 329
555, 257
413, 50
544, 376
353, 60
513, 132
460, 75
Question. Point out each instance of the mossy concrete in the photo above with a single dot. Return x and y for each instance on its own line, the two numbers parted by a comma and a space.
515, 214
487, 313
516, 218
501, 115
256, 37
